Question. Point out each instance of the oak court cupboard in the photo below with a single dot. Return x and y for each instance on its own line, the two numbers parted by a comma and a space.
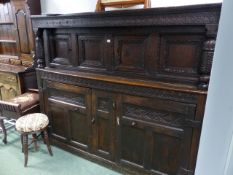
128, 88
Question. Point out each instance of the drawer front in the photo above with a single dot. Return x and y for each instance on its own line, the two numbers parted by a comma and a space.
159, 111
67, 93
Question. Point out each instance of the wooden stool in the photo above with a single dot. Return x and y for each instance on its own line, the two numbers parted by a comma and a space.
32, 124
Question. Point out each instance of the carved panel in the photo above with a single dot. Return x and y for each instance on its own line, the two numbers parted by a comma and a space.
144, 113
69, 97
176, 16
22, 31
8, 92
130, 53
91, 51
40, 58
103, 104
180, 54
207, 56
60, 49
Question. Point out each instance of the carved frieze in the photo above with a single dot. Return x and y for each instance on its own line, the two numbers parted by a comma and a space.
143, 113
149, 17
137, 90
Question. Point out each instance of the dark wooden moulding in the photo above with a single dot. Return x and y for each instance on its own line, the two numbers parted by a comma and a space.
128, 88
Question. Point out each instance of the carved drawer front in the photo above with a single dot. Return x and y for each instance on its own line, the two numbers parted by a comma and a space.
67, 93
154, 134
158, 111
70, 116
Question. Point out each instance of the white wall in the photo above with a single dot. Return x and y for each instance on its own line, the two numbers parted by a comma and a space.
67, 6
74, 6
218, 122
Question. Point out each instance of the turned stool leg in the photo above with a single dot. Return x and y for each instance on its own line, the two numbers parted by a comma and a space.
21, 137
34, 136
4, 131
46, 139
25, 148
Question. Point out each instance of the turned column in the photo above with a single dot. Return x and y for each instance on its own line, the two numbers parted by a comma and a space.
39, 56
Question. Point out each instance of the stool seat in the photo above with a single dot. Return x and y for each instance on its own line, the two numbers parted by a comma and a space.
32, 122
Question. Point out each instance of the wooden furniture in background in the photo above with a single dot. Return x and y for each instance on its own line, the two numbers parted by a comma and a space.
16, 46
102, 4
128, 88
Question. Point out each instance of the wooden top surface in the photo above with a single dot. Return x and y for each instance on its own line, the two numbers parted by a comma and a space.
12, 68
183, 15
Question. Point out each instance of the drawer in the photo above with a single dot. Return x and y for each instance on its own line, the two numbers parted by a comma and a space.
157, 111
65, 93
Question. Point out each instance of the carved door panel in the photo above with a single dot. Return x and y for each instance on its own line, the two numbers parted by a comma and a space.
70, 111
103, 120
153, 134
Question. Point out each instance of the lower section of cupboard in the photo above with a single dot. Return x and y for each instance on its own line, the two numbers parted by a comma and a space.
123, 169
134, 133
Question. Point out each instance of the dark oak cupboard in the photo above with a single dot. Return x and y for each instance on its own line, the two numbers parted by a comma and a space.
127, 89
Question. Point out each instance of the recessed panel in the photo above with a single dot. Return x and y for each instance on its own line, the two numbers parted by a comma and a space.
132, 144
180, 54
91, 51
130, 53
60, 49
79, 128
166, 152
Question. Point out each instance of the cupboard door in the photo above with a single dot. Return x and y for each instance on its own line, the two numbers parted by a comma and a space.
103, 120
58, 120
153, 134
70, 111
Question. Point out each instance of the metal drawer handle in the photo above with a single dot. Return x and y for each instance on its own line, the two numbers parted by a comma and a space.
118, 121
76, 109
133, 123
93, 120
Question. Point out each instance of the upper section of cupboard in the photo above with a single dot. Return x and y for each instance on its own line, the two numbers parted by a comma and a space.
173, 45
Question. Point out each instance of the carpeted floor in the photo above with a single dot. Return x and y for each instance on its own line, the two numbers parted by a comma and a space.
40, 163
